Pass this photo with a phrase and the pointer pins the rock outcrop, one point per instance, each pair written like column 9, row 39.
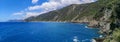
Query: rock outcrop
column 104, row 22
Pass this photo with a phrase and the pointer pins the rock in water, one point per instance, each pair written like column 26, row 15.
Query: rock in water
column 93, row 40
column 75, row 39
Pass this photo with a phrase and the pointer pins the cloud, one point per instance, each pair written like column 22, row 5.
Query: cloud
column 28, row 14
column 89, row 1
column 34, row 7
column 34, row 1
column 46, row 6
column 18, row 13
column 56, row 4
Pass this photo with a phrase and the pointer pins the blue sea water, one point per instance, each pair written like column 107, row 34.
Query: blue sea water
column 45, row 32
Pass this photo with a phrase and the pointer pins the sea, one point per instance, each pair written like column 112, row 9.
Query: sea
column 46, row 32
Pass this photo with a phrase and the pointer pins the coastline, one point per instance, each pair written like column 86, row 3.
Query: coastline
column 88, row 23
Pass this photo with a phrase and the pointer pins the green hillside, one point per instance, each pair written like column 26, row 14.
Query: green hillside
column 70, row 13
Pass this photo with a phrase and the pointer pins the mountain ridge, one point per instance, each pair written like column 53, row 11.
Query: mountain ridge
column 69, row 13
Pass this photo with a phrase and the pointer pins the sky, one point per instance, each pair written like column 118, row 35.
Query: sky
column 21, row 9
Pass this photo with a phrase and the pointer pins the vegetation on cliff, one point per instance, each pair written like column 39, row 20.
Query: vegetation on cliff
column 114, row 36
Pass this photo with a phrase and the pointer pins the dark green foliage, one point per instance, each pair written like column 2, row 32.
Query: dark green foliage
column 113, row 26
column 116, row 14
column 115, row 36
column 99, row 14
column 117, row 10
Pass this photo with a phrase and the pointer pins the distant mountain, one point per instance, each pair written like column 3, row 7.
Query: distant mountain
column 16, row 21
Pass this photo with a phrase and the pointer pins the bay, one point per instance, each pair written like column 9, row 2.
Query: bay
column 46, row 32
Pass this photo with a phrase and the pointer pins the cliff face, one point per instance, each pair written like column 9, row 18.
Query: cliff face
column 104, row 21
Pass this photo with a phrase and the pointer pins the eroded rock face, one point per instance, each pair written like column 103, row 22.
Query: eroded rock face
column 104, row 21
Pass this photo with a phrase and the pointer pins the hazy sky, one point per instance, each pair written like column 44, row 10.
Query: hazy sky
column 21, row 9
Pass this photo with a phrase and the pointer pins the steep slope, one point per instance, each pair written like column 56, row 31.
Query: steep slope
column 75, row 12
